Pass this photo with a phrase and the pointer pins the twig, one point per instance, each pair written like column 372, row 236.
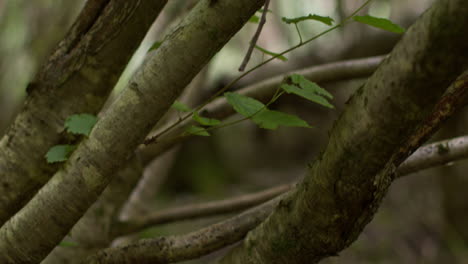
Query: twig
column 200, row 210
column 254, row 40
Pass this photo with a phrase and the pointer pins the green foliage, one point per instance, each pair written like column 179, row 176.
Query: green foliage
column 198, row 131
column 155, row 46
column 81, row 124
column 179, row 106
column 205, row 121
column 276, row 55
column 67, row 244
column 326, row 20
column 381, row 23
column 254, row 19
column 306, row 89
column 244, row 105
column 59, row 153
column 260, row 114
column 270, row 119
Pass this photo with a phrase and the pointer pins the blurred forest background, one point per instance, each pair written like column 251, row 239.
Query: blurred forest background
column 422, row 220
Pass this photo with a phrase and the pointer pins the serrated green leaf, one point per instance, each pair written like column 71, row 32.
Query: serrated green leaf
column 381, row 23
column 326, row 20
column 198, row 131
column 67, row 244
column 180, row 106
column 244, row 105
column 307, row 94
column 270, row 119
column 155, row 45
column 205, row 121
column 59, row 153
column 304, row 83
column 81, row 124
column 254, row 19
column 276, row 55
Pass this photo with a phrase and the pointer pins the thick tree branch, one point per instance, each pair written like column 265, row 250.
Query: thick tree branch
column 429, row 156
column 76, row 79
column 426, row 157
column 48, row 217
column 345, row 185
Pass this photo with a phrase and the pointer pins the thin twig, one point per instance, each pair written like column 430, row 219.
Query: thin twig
column 254, row 40
column 200, row 210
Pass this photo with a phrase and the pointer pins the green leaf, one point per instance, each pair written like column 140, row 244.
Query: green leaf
column 260, row 115
column 307, row 94
column 326, row 20
column 381, row 23
column 254, row 19
column 181, row 106
column 80, row 124
column 205, row 121
column 155, row 46
column 67, row 244
column 270, row 119
column 276, row 55
column 198, row 131
column 244, row 105
column 59, row 153
column 304, row 83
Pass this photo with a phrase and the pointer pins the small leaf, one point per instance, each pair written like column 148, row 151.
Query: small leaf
column 270, row 119
column 180, row 106
column 244, row 105
column 381, row 23
column 304, row 83
column 326, row 20
column 205, row 121
column 276, row 55
column 67, row 244
column 59, row 153
column 155, row 46
column 198, row 131
column 80, row 124
column 254, row 19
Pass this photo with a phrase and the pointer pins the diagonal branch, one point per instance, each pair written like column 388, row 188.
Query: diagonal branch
column 76, row 79
column 49, row 216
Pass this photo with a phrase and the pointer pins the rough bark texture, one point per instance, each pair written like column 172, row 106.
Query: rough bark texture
column 30, row 235
column 343, row 189
column 76, row 79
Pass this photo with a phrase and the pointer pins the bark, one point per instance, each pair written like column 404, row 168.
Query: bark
column 76, row 79
column 345, row 185
column 30, row 235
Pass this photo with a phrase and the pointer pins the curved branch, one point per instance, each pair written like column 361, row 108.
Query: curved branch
column 200, row 210
column 189, row 246
column 431, row 155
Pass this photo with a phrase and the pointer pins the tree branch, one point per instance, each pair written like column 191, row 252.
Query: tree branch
column 346, row 184
column 76, row 79
column 200, row 210
column 254, row 40
column 431, row 155
column 189, row 246
column 150, row 93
